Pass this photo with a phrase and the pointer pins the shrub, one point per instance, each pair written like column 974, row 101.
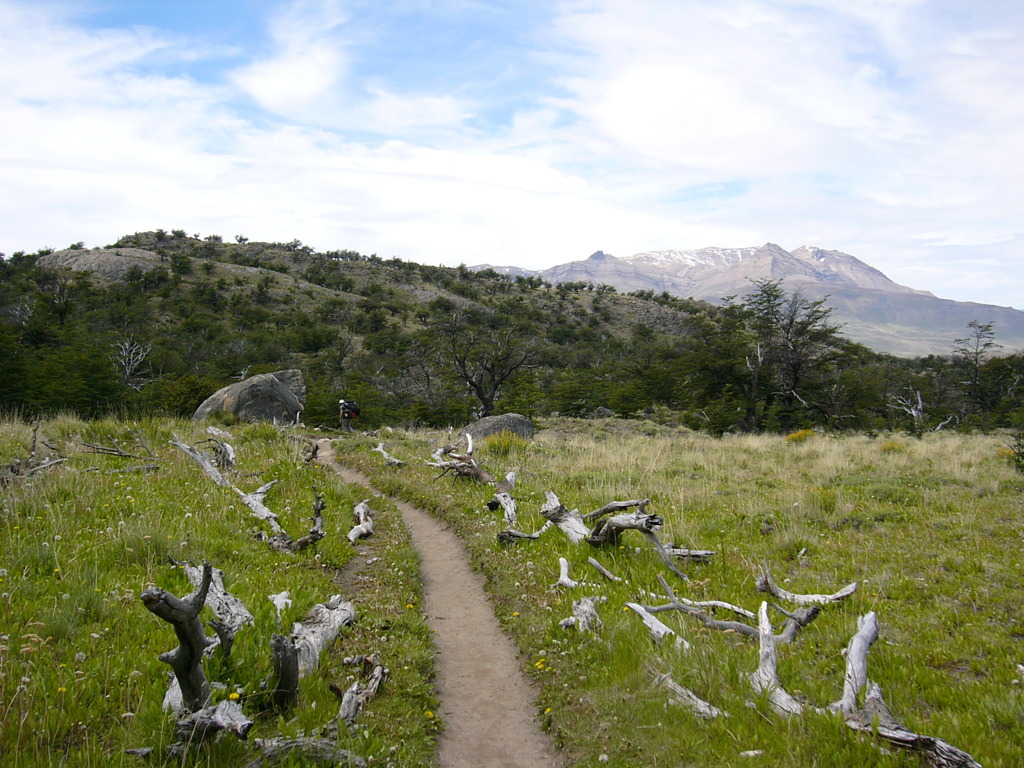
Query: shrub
column 800, row 436
column 504, row 443
column 891, row 446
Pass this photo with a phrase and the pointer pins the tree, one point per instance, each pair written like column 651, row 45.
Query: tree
column 970, row 353
column 794, row 342
column 485, row 349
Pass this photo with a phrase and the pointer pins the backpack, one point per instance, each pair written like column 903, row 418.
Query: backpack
column 351, row 410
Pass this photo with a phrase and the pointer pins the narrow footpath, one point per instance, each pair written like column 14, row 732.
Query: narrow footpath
column 487, row 703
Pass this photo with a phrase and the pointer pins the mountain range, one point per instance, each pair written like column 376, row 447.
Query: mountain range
column 872, row 309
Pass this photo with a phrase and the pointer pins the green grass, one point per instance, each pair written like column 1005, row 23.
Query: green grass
column 931, row 531
column 932, row 534
column 80, row 681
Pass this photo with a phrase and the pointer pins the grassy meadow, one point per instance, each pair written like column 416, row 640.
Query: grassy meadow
column 931, row 530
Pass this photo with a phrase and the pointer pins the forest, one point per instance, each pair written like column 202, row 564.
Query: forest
column 420, row 345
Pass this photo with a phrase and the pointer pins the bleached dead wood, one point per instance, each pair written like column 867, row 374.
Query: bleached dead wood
column 570, row 523
column 461, row 464
column 658, row 629
column 684, row 697
column 563, row 575
column 203, row 461
column 217, row 432
column 699, row 612
column 693, row 555
column 315, row 751
column 226, row 716
column 765, row 584
column 603, row 571
column 584, row 614
column 389, row 460
column 511, row 534
column 254, row 501
column 186, row 660
column 364, row 522
column 296, row 656
column 616, row 506
column 508, row 505
column 318, row 631
column 765, row 680
column 230, row 612
column 359, row 694
column 874, row 717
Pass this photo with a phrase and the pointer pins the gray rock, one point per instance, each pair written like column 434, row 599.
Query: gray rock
column 278, row 397
column 106, row 263
column 507, row 422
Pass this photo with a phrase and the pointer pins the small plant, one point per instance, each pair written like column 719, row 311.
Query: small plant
column 800, row 436
column 891, row 446
column 504, row 444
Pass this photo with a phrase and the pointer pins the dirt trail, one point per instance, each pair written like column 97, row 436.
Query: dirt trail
column 487, row 703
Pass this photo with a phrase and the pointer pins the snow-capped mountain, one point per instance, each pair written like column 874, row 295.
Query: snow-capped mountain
column 872, row 309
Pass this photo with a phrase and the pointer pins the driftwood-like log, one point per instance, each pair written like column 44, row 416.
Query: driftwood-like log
column 765, row 680
column 318, row 631
column 364, row 522
column 448, row 459
column 563, row 575
column 203, row 461
column 508, row 505
column 693, row 555
column 254, row 501
column 584, row 617
column 359, row 694
column 765, row 584
column 570, row 523
column 389, row 460
column 510, row 535
column 658, row 629
column 315, row 751
column 874, row 717
column 616, row 506
column 226, row 716
column 684, row 697
column 316, row 532
column 223, row 454
column 230, row 612
column 186, row 660
column 603, row 571
column 679, row 604
column 607, row 530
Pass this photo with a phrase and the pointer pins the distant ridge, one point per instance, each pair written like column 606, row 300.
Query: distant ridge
column 873, row 310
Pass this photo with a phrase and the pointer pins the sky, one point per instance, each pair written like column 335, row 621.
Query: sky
column 526, row 132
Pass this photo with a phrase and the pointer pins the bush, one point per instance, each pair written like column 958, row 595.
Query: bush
column 801, row 436
column 504, row 444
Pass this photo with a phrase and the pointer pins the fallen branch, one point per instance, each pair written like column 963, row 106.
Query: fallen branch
column 684, row 697
column 358, row 695
column 563, row 575
column 603, row 571
column 765, row 680
column 510, row 535
column 569, row 523
column 364, row 522
column 874, row 717
column 765, row 584
column 389, row 460
column 319, row 630
column 659, row 630
column 584, row 617
column 504, row 500
column 203, row 461
column 195, row 727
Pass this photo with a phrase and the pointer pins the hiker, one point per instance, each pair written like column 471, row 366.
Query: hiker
column 347, row 410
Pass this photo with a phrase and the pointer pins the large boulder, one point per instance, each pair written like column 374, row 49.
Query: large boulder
column 278, row 397
column 515, row 423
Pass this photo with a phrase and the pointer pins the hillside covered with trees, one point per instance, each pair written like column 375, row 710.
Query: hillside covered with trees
column 417, row 344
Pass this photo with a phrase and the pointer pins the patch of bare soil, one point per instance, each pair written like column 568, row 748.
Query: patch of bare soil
column 487, row 703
